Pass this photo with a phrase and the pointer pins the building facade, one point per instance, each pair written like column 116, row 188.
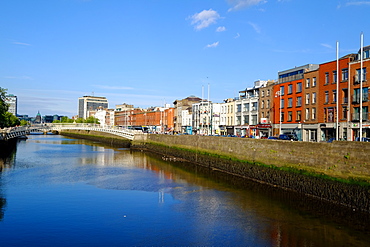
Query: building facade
column 359, row 98
column 12, row 101
column 90, row 103
column 288, row 100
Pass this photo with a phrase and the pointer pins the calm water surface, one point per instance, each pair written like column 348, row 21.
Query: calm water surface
column 56, row 191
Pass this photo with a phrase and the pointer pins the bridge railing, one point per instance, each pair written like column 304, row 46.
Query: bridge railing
column 13, row 132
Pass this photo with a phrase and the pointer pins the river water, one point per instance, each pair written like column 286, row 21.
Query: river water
column 58, row 191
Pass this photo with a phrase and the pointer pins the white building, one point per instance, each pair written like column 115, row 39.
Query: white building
column 246, row 112
column 12, row 101
column 90, row 103
column 206, row 118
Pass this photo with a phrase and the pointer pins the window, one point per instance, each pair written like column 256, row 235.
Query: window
column 290, row 116
column 282, row 103
column 307, row 98
column 356, row 95
column 238, row 120
column 290, row 89
column 268, row 104
column 314, row 82
column 262, row 104
column 326, row 97
column 254, row 106
column 308, row 82
column 326, row 78
column 298, row 116
column 299, row 101
column 282, row 90
column 282, row 117
column 334, row 96
column 239, row 107
column 313, row 113
column 246, row 119
column 345, row 95
column 344, row 112
column 254, row 120
column 344, row 74
column 268, row 92
column 313, row 98
column 299, row 87
column 246, row 107
column 307, row 113
column 356, row 114
column 290, row 102
column 358, row 74
column 335, row 76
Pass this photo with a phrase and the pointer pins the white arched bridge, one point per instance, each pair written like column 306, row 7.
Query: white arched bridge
column 15, row 132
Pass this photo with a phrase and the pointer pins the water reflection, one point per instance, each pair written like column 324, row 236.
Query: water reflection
column 175, row 202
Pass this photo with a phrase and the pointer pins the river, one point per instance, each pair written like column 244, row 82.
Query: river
column 58, row 191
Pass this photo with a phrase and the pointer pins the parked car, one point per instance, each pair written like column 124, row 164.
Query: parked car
column 364, row 139
column 273, row 138
column 288, row 137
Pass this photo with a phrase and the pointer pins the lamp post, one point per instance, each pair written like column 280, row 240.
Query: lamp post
column 278, row 94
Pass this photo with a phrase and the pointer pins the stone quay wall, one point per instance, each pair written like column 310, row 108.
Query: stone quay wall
column 98, row 136
column 337, row 172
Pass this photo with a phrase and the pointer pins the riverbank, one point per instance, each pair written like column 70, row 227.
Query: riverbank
column 98, row 136
column 336, row 172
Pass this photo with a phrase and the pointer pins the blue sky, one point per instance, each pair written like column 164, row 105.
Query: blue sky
column 152, row 52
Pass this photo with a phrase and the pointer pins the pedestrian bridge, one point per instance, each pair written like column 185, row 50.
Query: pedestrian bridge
column 14, row 132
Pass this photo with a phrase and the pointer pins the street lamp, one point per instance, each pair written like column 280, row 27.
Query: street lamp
column 278, row 94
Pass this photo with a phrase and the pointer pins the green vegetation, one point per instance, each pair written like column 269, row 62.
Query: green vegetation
column 350, row 180
column 7, row 119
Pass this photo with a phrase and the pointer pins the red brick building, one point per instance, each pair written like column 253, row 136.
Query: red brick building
column 288, row 100
column 333, row 86
column 354, row 88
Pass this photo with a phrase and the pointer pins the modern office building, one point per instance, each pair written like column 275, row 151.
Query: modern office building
column 90, row 103
column 12, row 101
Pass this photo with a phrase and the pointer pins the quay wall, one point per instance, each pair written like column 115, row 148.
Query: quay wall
column 337, row 172
column 98, row 136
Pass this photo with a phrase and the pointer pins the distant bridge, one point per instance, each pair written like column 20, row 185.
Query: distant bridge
column 14, row 132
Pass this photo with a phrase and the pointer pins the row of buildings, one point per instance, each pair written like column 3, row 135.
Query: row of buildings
column 316, row 102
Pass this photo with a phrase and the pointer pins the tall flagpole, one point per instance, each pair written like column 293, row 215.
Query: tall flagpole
column 361, row 76
column 337, row 98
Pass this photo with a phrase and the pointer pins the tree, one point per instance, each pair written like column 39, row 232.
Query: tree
column 10, row 120
column 3, row 107
column 24, row 122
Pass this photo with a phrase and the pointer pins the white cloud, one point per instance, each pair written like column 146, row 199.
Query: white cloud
column 20, row 43
column 358, row 3
column 255, row 27
column 213, row 45
column 241, row 4
column 327, row 46
column 204, row 19
column 221, row 29
column 237, row 36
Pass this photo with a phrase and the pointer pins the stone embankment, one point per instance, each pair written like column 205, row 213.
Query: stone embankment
column 338, row 172
column 97, row 136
